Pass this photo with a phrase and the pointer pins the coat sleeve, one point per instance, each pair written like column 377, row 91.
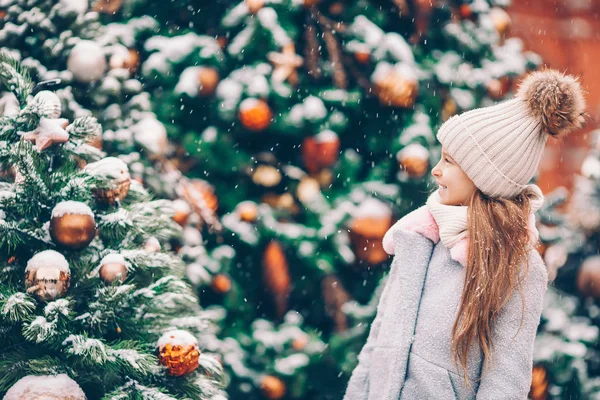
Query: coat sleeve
column 509, row 373
column 358, row 385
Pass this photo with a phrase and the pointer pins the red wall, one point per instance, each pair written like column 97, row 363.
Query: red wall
column 567, row 36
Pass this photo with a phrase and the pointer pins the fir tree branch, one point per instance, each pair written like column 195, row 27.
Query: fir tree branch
column 15, row 77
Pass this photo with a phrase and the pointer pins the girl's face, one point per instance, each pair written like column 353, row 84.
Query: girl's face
column 455, row 187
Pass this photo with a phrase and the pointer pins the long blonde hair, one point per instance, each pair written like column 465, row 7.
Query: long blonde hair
column 497, row 262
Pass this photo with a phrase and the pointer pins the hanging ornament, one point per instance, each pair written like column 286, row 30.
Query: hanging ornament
column 114, row 179
column 221, row 283
column 272, row 387
column 335, row 297
column 208, row 79
column 266, row 176
column 182, row 211
column 539, row 384
column 108, row 6
column 414, row 160
column 47, row 276
column 247, row 211
column 588, row 277
column 51, row 104
column 86, row 61
column 276, row 276
column 336, row 8
column 362, row 56
column 450, row 108
column 308, row 189
column 371, row 221
column 178, row 351
column 395, row 86
column 285, row 64
column 465, row 11
column 45, row 387
column 255, row 114
column 72, row 225
column 124, row 58
column 299, row 343
column 254, row 5
column 200, row 196
column 113, row 267
column 48, row 132
column 320, row 151
column 283, row 202
column 501, row 20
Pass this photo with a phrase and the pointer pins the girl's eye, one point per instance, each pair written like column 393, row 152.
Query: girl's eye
column 447, row 160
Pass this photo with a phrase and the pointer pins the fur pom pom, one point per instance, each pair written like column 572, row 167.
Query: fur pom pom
column 556, row 99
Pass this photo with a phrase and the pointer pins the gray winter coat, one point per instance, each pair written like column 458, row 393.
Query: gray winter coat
column 408, row 352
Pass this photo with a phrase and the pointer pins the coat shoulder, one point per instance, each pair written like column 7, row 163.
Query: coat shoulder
column 420, row 221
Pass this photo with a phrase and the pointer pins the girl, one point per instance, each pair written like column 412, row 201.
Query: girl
column 458, row 316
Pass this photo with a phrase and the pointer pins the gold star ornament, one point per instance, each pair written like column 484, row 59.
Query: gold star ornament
column 48, row 132
column 285, row 64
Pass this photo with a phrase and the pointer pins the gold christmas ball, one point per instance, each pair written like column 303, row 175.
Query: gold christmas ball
column 414, row 159
column 450, row 108
column 308, row 189
column 396, row 86
column 254, row 5
column 336, row 8
column 114, row 174
column 363, row 57
column 255, row 114
column 272, row 387
column 47, row 276
column 221, row 283
column 45, row 387
column 539, row 384
column 113, row 267
column 182, row 211
column 276, row 276
column 72, row 225
column 178, row 351
column 320, row 151
column 299, row 343
column 267, row 176
column 501, row 20
column 247, row 210
column 310, row 3
column 371, row 221
column 108, row 6
column 208, row 79
column 588, row 277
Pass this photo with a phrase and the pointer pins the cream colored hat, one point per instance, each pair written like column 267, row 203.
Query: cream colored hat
column 499, row 147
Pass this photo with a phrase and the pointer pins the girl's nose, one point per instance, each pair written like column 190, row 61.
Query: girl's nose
column 436, row 171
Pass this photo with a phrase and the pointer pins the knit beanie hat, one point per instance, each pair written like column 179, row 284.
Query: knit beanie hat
column 499, row 147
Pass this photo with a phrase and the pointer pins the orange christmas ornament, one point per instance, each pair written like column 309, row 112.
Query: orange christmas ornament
column 414, row 159
column 588, row 277
column 72, row 225
column 115, row 178
column 208, row 79
column 221, row 283
column 255, row 114
column 113, row 267
column 371, row 221
column 127, row 59
column 320, row 151
column 272, row 387
column 178, row 351
column 396, row 86
column 539, row 384
column 254, row 5
column 247, row 211
column 182, row 211
column 276, row 276
column 501, row 20
column 108, row 6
